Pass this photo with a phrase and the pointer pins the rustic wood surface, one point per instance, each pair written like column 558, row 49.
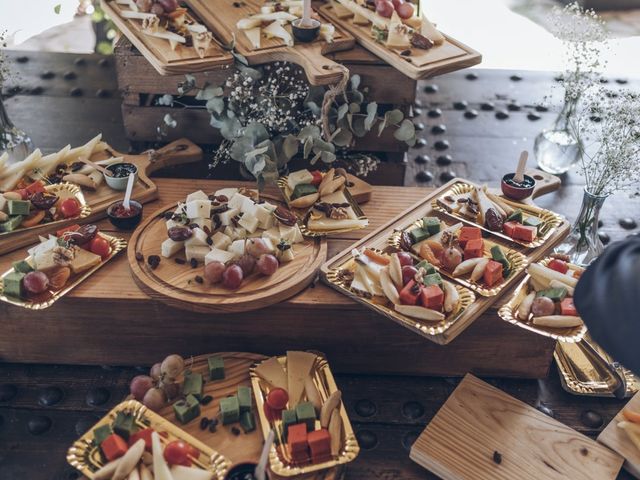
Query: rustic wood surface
column 617, row 440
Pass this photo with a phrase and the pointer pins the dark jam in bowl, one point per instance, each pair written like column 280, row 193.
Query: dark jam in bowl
column 122, row 170
column 118, row 210
column 528, row 182
column 125, row 219
column 244, row 471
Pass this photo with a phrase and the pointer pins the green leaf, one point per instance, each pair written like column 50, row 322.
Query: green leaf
column 328, row 157
column 354, row 107
column 406, row 131
column 249, row 72
column 56, row 9
column 240, row 148
column 356, row 97
column 215, row 105
column 315, row 158
column 216, row 122
column 256, row 132
column 312, row 131
column 308, row 145
column 358, row 126
column 355, row 81
column 394, row 117
column 190, row 79
column 290, row 146
column 230, row 128
column 209, row 92
column 342, row 110
column 372, row 111
column 320, row 145
column 343, row 138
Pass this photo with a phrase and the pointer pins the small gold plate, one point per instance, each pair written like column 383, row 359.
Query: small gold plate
column 49, row 298
column 337, row 278
column 509, row 313
column 85, row 455
column 580, row 376
column 517, row 260
column 63, row 190
column 279, row 458
column 303, row 214
column 551, row 220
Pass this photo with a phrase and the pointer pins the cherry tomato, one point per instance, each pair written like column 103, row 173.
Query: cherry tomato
column 24, row 193
column 177, row 453
column 277, row 399
column 99, row 246
column 70, row 208
column 317, row 177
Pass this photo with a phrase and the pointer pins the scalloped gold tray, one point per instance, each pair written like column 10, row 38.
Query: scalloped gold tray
column 551, row 220
column 279, row 459
column 508, row 312
column 68, row 190
column 85, row 455
column 50, row 297
column 518, row 260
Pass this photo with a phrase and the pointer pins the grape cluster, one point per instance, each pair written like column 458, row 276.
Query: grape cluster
column 160, row 386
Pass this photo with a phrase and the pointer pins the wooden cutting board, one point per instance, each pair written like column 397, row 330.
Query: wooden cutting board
column 176, row 153
column 478, row 420
column 158, row 51
column 617, row 440
column 221, row 17
column 450, row 56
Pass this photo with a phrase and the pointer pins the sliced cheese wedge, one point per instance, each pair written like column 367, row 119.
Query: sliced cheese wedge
column 340, row 11
column 253, row 34
column 248, row 23
column 421, row 313
column 299, row 366
column 276, row 29
column 428, row 30
column 179, row 472
column 397, row 37
column 272, row 372
column 358, row 19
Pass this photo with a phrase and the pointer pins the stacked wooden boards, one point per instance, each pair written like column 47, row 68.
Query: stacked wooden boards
column 617, row 440
column 481, row 433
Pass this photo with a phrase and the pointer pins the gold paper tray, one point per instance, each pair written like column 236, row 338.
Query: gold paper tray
column 66, row 190
column 508, row 312
column 518, row 260
column 85, row 455
column 303, row 213
column 117, row 245
column 551, row 220
column 279, row 459
column 580, row 376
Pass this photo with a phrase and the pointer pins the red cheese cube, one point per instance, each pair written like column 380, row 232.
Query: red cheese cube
column 114, row 446
column 144, row 434
column 468, row 233
column 558, row 266
column 410, row 293
column 474, row 248
column 527, row 234
column 297, row 441
column 510, row 228
column 568, row 308
column 35, row 187
column 432, row 297
column 320, row 445
column 492, row 273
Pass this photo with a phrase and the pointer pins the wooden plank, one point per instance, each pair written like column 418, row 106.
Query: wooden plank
column 478, row 420
column 618, row 440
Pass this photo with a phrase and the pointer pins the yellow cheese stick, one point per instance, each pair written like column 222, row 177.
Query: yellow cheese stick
column 557, row 321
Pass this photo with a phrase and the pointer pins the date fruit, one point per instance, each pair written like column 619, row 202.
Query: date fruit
column 179, row 234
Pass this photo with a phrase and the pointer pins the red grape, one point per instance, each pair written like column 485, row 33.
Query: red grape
column 408, row 272
column 246, row 263
column 405, row 10
column 157, row 9
column 385, row 8
column 277, row 399
column 155, row 371
column 256, row 247
column 35, row 282
column 232, row 277
column 397, row 3
column 154, row 399
column 144, row 5
column 405, row 259
column 140, row 385
column 213, row 272
column 171, row 390
column 168, row 5
column 172, row 366
column 451, row 257
column 267, row 264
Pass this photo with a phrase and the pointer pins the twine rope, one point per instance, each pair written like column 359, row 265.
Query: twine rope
column 329, row 96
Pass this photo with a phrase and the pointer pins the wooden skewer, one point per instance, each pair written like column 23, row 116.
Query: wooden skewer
column 100, row 168
column 522, row 163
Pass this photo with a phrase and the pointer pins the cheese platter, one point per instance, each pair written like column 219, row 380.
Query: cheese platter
column 225, row 251
column 56, row 265
column 173, row 40
column 265, row 32
column 622, row 435
column 92, row 174
column 401, row 36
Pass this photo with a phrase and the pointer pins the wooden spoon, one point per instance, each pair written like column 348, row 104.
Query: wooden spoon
column 522, row 163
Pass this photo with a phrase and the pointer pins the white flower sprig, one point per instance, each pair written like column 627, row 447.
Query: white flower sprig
column 5, row 71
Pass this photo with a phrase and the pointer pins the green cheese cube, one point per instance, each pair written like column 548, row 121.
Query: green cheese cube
column 245, row 399
column 22, row 266
column 124, row 425
column 515, row 216
column 555, row 294
column 498, row 255
column 533, row 222
column 18, row 207
column 11, row 224
column 306, row 413
column 432, row 279
column 101, row 433
column 419, row 234
column 187, row 409
column 303, row 189
column 247, row 422
column 428, row 268
column 229, row 410
column 192, row 385
column 12, row 285
column 431, row 225
column 216, row 368
column 289, row 417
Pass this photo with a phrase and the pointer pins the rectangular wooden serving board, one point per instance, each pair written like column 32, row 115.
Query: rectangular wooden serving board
column 481, row 433
column 452, row 55
column 222, row 16
column 617, row 440
column 379, row 239
column 158, row 51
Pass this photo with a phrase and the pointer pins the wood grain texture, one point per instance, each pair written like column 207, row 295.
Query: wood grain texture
column 617, row 440
column 478, row 420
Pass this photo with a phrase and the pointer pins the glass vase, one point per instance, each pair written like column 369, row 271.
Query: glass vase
column 13, row 141
column 583, row 244
column 556, row 149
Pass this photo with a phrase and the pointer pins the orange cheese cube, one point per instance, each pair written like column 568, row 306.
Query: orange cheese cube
column 474, row 248
column 468, row 233
column 432, row 297
column 492, row 273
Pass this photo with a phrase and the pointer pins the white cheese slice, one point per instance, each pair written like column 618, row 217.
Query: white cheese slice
column 272, row 372
column 198, row 209
column 261, row 213
column 237, row 247
column 179, row 472
column 360, row 20
column 285, row 256
column 198, row 238
column 291, row 234
column 253, row 34
column 248, row 23
column 268, row 223
column 275, row 29
column 237, row 201
column 202, row 222
column 274, row 16
column 235, row 232
column 221, row 241
column 299, row 366
column 248, row 207
column 397, row 37
column 196, row 252
column 269, row 206
column 44, row 246
column 429, row 30
column 173, row 223
column 160, row 468
column 299, row 177
column 199, row 195
column 327, row 224
column 272, row 234
column 170, row 247
column 225, row 217
column 218, row 255
column 180, row 209
column 269, row 244
column 249, row 223
column 227, row 192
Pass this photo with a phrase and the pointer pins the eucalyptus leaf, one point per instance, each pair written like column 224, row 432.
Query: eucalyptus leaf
column 209, row 92
column 315, row 158
column 256, row 151
column 215, row 105
column 315, row 109
column 216, row 122
column 312, row 131
column 290, row 146
column 358, row 126
column 320, row 145
column 355, row 82
column 411, row 142
column 308, row 145
column 255, row 164
column 356, row 97
column 354, row 107
column 249, row 72
column 406, row 131
column 372, row 111
column 328, row 157
column 240, row 148
column 256, row 132
column 230, row 128
column 343, row 138
column 342, row 110
column 394, row 117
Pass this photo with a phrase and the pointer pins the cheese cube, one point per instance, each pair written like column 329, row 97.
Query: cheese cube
column 269, row 206
column 225, row 217
column 217, row 255
column 272, row 234
column 291, row 234
column 249, row 223
column 286, row 256
column 235, row 232
column 199, row 209
column 202, row 222
column 296, row 178
column 169, row 248
column 199, row 238
column 269, row 223
column 237, row 248
column 248, row 207
column 180, row 209
column 3, row 204
column 270, row 244
column 221, row 241
column 226, row 192
column 237, row 201
column 199, row 195
column 196, row 252
column 173, row 223
column 261, row 213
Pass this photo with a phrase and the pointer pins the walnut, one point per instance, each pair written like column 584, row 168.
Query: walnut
column 63, row 256
column 339, row 213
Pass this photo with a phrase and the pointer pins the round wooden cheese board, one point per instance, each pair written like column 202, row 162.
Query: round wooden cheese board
column 175, row 284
